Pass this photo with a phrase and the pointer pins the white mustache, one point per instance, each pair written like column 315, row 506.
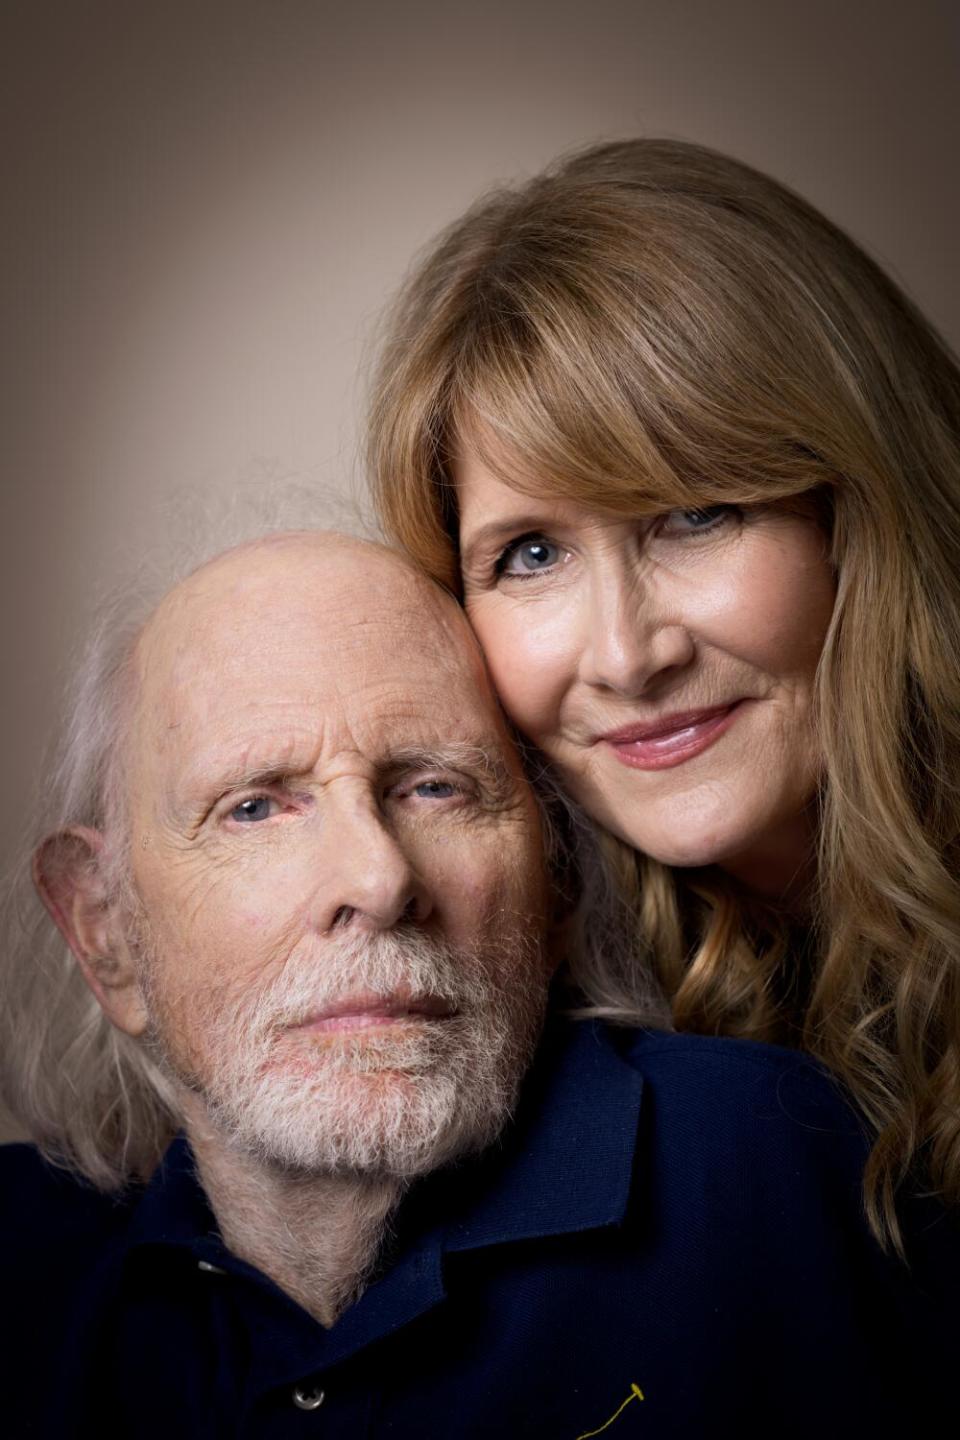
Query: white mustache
column 401, row 964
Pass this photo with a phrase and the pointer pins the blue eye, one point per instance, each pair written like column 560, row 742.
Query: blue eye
column 698, row 521
column 258, row 807
column 526, row 557
column 434, row 790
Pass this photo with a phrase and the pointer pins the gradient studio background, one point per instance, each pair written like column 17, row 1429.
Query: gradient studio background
column 207, row 205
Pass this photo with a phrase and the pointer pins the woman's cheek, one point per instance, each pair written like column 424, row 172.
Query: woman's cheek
column 529, row 651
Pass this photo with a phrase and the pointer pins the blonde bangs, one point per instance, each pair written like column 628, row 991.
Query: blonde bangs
column 634, row 389
column 633, row 353
column 546, row 427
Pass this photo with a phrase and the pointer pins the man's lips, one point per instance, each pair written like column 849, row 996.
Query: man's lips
column 362, row 1012
column 672, row 739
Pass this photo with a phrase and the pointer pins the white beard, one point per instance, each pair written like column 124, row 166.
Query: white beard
column 394, row 1101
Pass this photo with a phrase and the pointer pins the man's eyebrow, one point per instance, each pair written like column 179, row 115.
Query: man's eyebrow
column 241, row 776
column 233, row 772
column 488, row 762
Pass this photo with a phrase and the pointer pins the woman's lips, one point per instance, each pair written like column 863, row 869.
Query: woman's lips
column 673, row 739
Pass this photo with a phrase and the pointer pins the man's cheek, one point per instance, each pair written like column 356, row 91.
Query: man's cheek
column 183, row 883
column 477, row 899
column 227, row 915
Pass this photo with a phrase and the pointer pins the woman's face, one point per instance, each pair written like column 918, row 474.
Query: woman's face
column 665, row 665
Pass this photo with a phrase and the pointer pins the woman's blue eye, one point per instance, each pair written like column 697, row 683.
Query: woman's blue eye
column 434, row 789
column 258, row 807
column 706, row 517
column 528, row 556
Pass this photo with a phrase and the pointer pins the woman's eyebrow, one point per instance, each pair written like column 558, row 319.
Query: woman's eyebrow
column 495, row 532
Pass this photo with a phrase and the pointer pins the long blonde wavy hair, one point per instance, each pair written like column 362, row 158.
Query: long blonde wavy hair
column 651, row 325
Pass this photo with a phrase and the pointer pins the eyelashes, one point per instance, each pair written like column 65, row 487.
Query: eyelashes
column 700, row 521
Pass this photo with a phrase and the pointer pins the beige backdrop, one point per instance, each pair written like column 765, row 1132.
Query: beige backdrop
column 206, row 206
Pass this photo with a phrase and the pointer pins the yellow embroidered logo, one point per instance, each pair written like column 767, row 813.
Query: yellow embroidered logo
column 635, row 1394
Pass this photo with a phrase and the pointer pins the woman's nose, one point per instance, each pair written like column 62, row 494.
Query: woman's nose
column 367, row 881
column 631, row 639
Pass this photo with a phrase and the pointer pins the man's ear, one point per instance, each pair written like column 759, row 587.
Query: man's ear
column 68, row 871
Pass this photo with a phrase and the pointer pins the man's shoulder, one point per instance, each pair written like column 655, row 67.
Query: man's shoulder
column 54, row 1206
column 703, row 1061
column 745, row 1099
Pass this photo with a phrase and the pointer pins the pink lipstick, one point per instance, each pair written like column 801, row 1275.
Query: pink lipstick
column 672, row 739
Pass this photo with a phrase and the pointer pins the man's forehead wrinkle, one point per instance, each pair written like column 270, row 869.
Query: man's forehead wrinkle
column 237, row 757
column 405, row 634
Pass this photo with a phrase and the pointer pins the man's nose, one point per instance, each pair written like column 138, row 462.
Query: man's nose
column 368, row 881
column 631, row 639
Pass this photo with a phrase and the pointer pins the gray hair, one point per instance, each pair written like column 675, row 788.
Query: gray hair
column 86, row 1093
column 90, row 1096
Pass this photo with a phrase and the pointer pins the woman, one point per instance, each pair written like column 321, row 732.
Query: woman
column 693, row 464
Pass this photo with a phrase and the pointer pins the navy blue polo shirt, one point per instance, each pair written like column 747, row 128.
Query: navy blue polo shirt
column 667, row 1241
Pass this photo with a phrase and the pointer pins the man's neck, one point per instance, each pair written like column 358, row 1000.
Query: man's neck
column 317, row 1237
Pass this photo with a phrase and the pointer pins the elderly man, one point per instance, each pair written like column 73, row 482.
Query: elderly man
column 305, row 884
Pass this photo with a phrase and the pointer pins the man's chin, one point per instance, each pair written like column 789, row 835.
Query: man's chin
column 383, row 1121
column 412, row 1048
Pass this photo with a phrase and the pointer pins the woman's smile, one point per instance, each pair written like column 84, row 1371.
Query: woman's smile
column 671, row 740
column 665, row 664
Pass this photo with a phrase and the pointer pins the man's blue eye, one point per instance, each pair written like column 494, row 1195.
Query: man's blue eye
column 434, row 789
column 256, row 808
column 529, row 556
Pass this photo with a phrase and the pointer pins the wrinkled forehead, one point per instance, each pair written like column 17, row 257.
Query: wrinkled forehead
column 352, row 646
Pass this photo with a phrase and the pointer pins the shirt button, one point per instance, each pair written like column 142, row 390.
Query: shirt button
column 211, row 1269
column 308, row 1399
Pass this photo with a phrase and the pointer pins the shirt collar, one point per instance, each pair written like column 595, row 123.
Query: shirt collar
column 567, row 1161
column 564, row 1164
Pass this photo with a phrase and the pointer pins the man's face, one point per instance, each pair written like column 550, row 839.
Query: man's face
column 337, row 862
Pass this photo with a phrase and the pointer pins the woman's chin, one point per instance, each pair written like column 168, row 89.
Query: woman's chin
column 772, row 861
column 693, row 855
column 711, row 837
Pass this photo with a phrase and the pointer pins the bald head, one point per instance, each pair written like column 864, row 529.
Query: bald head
column 360, row 591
